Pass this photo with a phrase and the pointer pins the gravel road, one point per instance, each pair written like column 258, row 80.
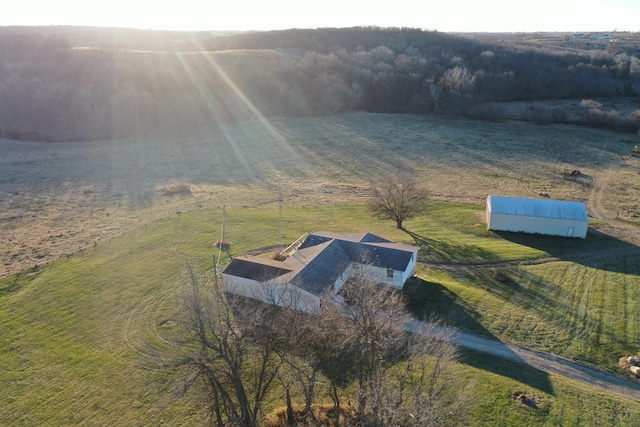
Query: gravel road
column 542, row 361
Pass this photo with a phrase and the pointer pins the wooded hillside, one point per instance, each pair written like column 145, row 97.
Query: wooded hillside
column 72, row 83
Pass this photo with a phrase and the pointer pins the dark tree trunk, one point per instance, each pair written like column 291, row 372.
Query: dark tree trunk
column 290, row 416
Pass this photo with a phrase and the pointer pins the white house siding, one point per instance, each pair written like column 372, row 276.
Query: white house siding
column 378, row 274
column 356, row 269
column 408, row 272
column 348, row 272
column 280, row 294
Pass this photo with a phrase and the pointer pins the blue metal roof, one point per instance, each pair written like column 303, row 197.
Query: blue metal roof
column 541, row 208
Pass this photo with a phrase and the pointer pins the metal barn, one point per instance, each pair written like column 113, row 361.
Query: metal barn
column 537, row 216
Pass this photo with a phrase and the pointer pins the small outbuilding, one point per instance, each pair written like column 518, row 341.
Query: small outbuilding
column 537, row 216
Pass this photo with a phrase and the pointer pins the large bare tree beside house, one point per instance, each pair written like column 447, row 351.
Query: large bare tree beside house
column 234, row 349
column 356, row 353
column 397, row 198
column 399, row 377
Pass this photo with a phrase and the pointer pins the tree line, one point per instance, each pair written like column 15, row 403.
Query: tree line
column 57, row 85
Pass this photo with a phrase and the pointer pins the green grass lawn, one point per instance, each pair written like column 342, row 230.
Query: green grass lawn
column 84, row 341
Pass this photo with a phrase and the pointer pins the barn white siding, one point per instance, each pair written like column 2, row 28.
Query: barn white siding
column 538, row 216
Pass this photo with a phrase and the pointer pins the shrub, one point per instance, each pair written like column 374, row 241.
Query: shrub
column 323, row 413
column 223, row 245
column 174, row 188
column 501, row 276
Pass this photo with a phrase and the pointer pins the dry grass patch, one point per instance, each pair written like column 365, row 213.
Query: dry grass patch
column 97, row 190
column 324, row 416
column 527, row 399
column 176, row 188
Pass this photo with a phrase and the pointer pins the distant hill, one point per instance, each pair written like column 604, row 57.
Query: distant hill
column 83, row 83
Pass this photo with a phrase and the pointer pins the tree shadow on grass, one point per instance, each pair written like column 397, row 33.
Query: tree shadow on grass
column 599, row 250
column 432, row 300
column 444, row 252
column 429, row 299
column 515, row 286
column 520, row 372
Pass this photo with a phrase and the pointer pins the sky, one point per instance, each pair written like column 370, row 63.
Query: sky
column 262, row 15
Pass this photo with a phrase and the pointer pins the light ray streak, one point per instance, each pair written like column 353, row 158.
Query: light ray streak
column 278, row 138
column 202, row 90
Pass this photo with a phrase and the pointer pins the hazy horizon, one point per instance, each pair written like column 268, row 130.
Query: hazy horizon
column 247, row 15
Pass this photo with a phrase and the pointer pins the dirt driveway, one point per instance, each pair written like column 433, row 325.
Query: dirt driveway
column 542, row 361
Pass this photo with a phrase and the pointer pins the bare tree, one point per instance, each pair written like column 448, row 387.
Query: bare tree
column 458, row 80
column 457, row 84
column 435, row 90
column 399, row 371
column 333, row 356
column 397, row 199
column 416, row 391
column 233, row 349
column 236, row 349
column 304, row 342
column 375, row 337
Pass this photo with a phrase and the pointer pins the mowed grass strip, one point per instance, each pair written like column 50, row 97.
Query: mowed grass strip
column 551, row 400
column 580, row 311
column 83, row 341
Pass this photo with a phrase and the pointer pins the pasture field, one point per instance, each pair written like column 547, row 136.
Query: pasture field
column 94, row 237
column 89, row 339
column 56, row 199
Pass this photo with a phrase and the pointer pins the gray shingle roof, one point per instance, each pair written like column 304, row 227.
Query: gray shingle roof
column 256, row 268
column 541, row 208
column 321, row 271
column 323, row 257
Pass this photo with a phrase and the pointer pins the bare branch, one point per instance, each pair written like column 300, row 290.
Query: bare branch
column 397, row 199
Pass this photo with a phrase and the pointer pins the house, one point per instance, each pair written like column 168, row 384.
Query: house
column 318, row 264
column 538, row 216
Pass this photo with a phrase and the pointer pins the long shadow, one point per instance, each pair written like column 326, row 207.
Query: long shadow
column 524, row 374
column 432, row 300
column 451, row 254
column 536, row 293
column 599, row 250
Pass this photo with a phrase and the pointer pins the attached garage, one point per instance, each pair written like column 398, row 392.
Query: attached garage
column 537, row 216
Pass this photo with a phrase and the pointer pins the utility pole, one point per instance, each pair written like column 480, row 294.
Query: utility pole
column 221, row 243
column 281, row 223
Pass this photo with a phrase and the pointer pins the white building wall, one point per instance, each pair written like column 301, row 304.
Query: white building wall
column 240, row 286
column 411, row 269
column 538, row 225
column 348, row 272
column 378, row 274
column 281, row 294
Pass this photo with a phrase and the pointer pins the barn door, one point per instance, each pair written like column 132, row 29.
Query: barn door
column 570, row 232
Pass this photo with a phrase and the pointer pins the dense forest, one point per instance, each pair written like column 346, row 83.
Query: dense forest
column 75, row 83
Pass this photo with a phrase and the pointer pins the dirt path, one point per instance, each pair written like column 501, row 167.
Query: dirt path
column 542, row 361
column 604, row 182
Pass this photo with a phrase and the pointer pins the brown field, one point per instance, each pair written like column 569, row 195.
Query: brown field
column 59, row 198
